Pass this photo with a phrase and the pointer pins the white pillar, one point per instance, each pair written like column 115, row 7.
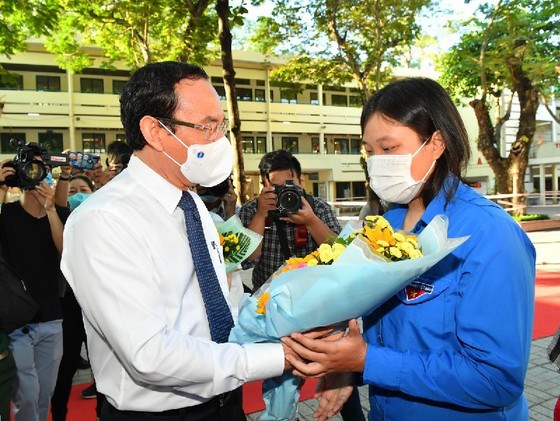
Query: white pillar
column 269, row 146
column 71, row 125
column 542, row 185
column 555, row 183
column 321, row 123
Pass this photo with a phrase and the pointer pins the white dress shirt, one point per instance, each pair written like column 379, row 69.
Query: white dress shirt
column 127, row 258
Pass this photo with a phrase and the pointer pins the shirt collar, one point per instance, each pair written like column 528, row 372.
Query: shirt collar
column 161, row 189
column 436, row 206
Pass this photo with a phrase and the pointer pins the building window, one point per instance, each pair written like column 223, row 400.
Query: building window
column 118, row 86
column 355, row 101
column 339, row 100
column 5, row 138
column 48, row 83
column 290, row 143
column 288, row 96
column 260, row 82
column 244, row 94
column 261, row 144
column 11, row 82
column 314, row 98
column 217, row 80
column 51, row 141
column 260, row 95
column 341, row 146
column 121, row 137
column 359, row 190
column 343, row 190
column 91, row 85
column 221, row 92
column 93, row 142
column 315, row 146
column 355, row 146
column 242, row 82
column 248, row 143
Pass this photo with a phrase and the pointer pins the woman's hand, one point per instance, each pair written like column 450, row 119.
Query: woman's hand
column 44, row 195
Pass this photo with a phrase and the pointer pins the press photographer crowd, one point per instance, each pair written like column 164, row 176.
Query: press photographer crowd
column 41, row 326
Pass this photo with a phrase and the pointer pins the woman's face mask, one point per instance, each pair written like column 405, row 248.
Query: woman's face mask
column 391, row 179
column 77, row 199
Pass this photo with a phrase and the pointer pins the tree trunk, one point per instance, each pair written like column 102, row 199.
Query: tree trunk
column 224, row 35
column 486, row 144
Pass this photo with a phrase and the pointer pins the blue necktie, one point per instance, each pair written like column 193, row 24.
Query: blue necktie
column 217, row 310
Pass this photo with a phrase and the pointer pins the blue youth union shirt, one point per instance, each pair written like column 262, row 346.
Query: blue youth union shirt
column 454, row 345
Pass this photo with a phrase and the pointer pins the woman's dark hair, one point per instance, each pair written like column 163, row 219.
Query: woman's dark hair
column 277, row 161
column 118, row 152
column 85, row 179
column 151, row 91
column 424, row 106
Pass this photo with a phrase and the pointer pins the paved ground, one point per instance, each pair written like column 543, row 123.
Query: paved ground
column 542, row 383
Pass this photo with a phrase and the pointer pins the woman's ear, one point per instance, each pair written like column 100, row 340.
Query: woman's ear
column 437, row 145
column 150, row 129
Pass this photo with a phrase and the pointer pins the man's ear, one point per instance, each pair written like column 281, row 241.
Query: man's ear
column 150, row 129
column 437, row 145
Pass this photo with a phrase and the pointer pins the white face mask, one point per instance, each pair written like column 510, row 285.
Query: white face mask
column 208, row 164
column 391, row 179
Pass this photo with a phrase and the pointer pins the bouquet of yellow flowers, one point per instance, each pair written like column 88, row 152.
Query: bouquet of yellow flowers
column 237, row 242
column 356, row 272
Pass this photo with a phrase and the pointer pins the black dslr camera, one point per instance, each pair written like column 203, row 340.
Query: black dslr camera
column 29, row 170
column 288, row 199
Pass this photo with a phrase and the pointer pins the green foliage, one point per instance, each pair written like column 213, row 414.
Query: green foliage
column 525, row 32
column 335, row 41
column 531, row 217
column 20, row 20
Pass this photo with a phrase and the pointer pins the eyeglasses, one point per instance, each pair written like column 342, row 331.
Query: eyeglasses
column 212, row 130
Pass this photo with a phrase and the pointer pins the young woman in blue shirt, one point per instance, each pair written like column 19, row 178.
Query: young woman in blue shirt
column 455, row 344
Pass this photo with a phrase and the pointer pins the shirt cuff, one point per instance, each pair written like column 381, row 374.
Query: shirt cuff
column 264, row 361
column 383, row 367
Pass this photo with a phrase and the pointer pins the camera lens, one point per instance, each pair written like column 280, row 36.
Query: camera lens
column 34, row 171
column 289, row 201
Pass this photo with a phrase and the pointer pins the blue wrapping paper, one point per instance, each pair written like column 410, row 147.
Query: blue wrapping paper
column 358, row 281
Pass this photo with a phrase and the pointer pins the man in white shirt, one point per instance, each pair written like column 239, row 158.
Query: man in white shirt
column 127, row 256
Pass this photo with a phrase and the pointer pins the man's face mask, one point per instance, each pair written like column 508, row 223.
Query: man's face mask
column 207, row 164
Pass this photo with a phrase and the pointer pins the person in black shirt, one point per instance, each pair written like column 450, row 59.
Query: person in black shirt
column 31, row 239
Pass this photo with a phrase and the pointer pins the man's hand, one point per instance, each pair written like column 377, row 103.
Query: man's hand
column 230, row 200
column 346, row 354
column 333, row 391
column 66, row 170
column 5, row 172
column 95, row 174
column 266, row 201
column 304, row 216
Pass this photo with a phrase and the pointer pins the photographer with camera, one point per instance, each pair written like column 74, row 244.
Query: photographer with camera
column 292, row 222
column 31, row 242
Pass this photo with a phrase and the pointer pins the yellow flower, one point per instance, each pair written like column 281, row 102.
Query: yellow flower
column 261, row 303
column 326, row 254
column 312, row 262
column 338, row 248
column 394, row 251
column 399, row 237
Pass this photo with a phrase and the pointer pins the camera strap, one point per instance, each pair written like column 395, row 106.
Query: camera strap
column 284, row 246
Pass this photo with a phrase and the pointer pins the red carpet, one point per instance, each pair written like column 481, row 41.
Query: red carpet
column 547, row 320
column 547, row 304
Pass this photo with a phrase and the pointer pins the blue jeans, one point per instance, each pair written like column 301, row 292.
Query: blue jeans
column 37, row 350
